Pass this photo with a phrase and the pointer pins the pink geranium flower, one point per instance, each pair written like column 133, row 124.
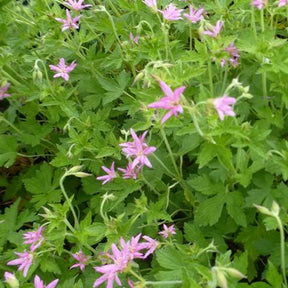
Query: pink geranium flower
column 167, row 231
column 34, row 237
column 282, row 3
column 134, row 39
column 110, row 174
column 69, row 23
column 62, row 69
column 259, row 4
column 171, row 13
column 11, row 279
column 151, row 3
column 138, row 150
column 76, row 6
column 24, row 261
column 170, row 102
column 82, row 259
column 150, row 245
column 234, row 54
column 222, row 106
column 195, row 15
column 129, row 172
column 214, row 31
column 38, row 283
column 3, row 91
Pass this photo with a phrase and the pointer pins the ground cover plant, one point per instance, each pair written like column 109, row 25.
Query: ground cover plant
column 143, row 143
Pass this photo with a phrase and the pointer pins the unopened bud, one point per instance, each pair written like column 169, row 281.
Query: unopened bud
column 275, row 208
column 11, row 280
column 263, row 210
column 82, row 174
column 235, row 273
column 48, row 214
column 74, row 169
column 222, row 281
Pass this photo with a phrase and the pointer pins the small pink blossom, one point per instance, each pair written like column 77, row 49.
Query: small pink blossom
column 129, row 172
column 82, row 259
column 167, row 231
column 222, row 106
column 234, row 54
column 3, row 91
column 38, row 283
column 171, row 13
column 134, row 39
column 282, row 3
column 76, row 6
column 62, row 69
column 24, row 261
column 34, row 237
column 151, row 245
column 214, row 31
column 138, row 150
column 171, row 101
column 259, row 4
column 195, row 15
column 110, row 174
column 151, row 3
column 69, row 23
column 11, row 279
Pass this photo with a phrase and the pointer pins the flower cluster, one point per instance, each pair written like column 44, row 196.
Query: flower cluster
column 138, row 150
column 120, row 258
column 233, row 54
column 24, row 261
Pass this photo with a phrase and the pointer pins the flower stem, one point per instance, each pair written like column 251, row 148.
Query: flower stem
column 158, row 283
column 164, row 166
column 10, row 124
column 68, row 200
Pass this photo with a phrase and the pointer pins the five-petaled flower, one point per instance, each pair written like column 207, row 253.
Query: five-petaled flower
column 34, row 238
column 3, row 91
column 76, row 6
column 38, row 283
column 171, row 12
column 110, row 174
column 167, row 231
column 130, row 172
column 282, row 3
column 195, row 15
column 222, row 106
column 151, row 3
column 214, row 31
column 171, row 101
column 82, row 259
column 259, row 4
column 24, row 261
column 138, row 150
column 69, row 23
column 63, row 70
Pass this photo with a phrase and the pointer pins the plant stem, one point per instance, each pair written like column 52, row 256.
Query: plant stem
column 68, row 200
column 10, row 124
column 163, row 282
column 165, row 167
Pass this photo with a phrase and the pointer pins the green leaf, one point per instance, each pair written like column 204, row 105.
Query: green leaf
column 8, row 150
column 209, row 211
column 169, row 258
column 207, row 153
column 273, row 276
column 234, row 205
column 49, row 264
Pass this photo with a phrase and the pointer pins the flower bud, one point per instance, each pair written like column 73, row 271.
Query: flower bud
column 11, row 280
column 82, row 174
column 222, row 281
column 235, row 273
column 275, row 208
column 263, row 210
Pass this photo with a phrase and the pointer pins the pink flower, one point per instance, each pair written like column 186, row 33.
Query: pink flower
column 171, row 101
column 110, row 174
column 129, row 172
column 151, row 3
column 11, row 280
column 222, row 106
column 167, row 231
column 282, row 3
column 259, row 4
column 195, row 15
column 234, row 54
column 76, row 6
column 24, row 261
column 62, row 69
column 134, row 39
column 38, row 283
column 3, row 91
column 79, row 256
column 69, row 23
column 171, row 13
column 34, row 237
column 138, row 150
column 151, row 245
column 214, row 31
